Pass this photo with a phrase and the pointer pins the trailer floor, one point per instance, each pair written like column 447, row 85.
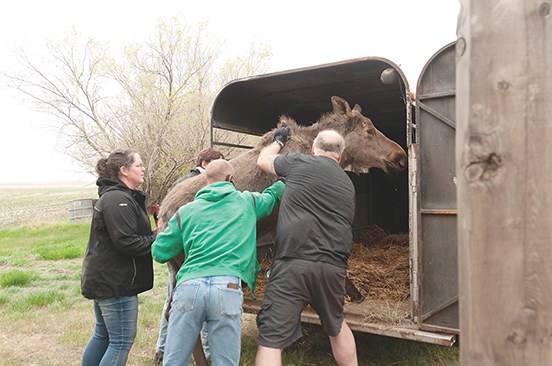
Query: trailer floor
column 382, row 312
column 375, row 317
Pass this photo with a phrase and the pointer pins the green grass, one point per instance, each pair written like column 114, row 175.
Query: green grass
column 41, row 299
column 47, row 291
column 16, row 278
column 389, row 351
column 67, row 251
column 43, row 312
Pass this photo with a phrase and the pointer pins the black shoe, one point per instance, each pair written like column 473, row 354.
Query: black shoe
column 158, row 358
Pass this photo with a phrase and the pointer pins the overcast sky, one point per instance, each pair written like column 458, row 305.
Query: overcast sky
column 301, row 33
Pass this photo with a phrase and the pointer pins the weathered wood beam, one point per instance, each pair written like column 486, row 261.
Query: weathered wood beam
column 504, row 170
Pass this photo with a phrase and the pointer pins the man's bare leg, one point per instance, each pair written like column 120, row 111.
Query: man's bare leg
column 344, row 347
column 268, row 356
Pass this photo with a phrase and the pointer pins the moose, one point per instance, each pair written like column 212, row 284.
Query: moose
column 365, row 147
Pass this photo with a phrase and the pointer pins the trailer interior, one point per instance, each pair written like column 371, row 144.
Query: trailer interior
column 253, row 106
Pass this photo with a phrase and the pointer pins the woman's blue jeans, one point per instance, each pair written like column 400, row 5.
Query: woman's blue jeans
column 217, row 300
column 116, row 320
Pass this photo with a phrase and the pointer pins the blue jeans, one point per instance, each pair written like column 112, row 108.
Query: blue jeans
column 116, row 320
column 209, row 299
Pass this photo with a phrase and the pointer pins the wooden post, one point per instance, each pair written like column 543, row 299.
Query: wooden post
column 504, row 171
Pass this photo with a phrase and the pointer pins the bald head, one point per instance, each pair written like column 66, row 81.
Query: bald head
column 329, row 143
column 218, row 170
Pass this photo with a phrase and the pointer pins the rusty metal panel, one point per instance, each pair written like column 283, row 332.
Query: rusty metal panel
column 436, row 239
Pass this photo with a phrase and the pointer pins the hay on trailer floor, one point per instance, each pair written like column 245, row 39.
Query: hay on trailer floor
column 381, row 271
column 379, row 268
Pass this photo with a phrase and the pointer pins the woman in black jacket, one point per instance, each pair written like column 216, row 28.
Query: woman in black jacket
column 117, row 265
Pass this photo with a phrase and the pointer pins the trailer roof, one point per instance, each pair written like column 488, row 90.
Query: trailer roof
column 253, row 105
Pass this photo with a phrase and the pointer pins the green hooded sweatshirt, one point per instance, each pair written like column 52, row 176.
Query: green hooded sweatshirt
column 217, row 232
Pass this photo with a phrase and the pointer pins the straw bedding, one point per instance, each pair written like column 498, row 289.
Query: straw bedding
column 378, row 266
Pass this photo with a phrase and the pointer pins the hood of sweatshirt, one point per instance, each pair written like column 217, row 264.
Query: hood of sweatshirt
column 215, row 191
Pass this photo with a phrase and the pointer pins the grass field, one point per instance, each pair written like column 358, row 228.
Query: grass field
column 44, row 320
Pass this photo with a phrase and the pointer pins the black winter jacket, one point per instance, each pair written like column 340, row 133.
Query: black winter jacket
column 195, row 171
column 118, row 258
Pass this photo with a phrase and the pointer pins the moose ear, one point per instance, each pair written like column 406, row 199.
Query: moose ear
column 286, row 121
column 340, row 105
column 281, row 122
column 357, row 108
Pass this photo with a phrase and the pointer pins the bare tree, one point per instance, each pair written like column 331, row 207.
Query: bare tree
column 153, row 98
column 69, row 85
column 163, row 81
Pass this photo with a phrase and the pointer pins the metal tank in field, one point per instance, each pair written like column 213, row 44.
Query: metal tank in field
column 408, row 219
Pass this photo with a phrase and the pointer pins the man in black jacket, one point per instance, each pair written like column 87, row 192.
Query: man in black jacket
column 204, row 157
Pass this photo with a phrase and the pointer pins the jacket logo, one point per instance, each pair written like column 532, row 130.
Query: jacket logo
column 123, row 204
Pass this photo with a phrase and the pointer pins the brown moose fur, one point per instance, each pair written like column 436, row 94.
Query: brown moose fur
column 365, row 148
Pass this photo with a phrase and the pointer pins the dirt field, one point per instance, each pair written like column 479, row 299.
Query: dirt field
column 33, row 204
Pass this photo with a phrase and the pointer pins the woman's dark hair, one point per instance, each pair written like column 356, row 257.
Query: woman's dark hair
column 209, row 154
column 109, row 167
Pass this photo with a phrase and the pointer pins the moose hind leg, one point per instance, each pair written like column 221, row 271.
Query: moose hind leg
column 199, row 355
column 351, row 291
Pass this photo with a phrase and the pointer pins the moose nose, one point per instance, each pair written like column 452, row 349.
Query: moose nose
column 398, row 160
column 401, row 161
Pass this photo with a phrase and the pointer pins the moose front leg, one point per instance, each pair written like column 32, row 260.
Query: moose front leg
column 174, row 266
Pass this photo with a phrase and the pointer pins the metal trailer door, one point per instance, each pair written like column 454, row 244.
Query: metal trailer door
column 436, row 187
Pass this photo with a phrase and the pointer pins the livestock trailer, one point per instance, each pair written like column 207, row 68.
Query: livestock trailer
column 420, row 202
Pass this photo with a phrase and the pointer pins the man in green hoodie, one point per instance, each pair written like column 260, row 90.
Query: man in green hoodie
column 217, row 232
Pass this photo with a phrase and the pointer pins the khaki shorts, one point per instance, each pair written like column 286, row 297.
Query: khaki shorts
column 294, row 284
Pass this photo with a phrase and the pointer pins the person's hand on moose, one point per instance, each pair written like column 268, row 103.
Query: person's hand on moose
column 281, row 135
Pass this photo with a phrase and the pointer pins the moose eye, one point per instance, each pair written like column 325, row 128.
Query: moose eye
column 370, row 132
